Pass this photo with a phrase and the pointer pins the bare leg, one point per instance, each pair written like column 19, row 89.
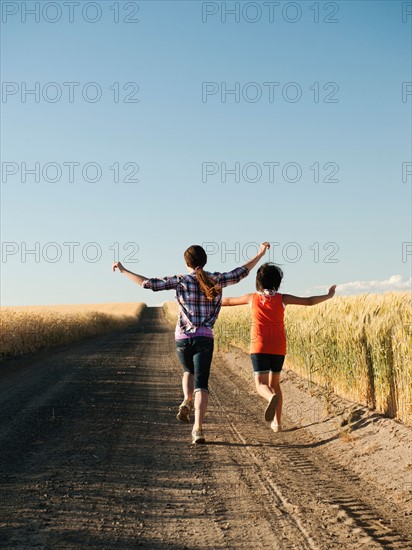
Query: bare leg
column 201, row 401
column 262, row 386
column 274, row 382
column 265, row 390
column 187, row 386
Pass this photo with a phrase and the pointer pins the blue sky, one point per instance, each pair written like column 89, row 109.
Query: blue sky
column 137, row 174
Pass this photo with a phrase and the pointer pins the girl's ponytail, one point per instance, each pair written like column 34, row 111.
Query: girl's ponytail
column 196, row 257
column 207, row 285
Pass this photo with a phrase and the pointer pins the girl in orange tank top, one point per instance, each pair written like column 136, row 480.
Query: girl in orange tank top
column 268, row 338
column 267, row 331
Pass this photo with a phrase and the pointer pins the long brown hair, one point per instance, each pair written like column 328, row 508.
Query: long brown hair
column 196, row 258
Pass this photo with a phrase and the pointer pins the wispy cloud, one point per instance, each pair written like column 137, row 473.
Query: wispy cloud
column 393, row 283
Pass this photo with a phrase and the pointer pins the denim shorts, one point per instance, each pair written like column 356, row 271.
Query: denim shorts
column 196, row 354
column 263, row 363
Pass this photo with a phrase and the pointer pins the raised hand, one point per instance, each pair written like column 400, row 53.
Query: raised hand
column 119, row 266
column 331, row 292
column 263, row 247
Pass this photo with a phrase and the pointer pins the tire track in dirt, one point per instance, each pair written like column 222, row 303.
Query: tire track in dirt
column 100, row 462
column 93, row 457
column 330, row 503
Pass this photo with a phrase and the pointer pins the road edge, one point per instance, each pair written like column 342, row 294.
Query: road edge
column 378, row 449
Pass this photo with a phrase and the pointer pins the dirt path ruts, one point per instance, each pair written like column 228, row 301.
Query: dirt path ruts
column 92, row 457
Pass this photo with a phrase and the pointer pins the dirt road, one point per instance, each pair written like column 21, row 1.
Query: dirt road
column 93, row 457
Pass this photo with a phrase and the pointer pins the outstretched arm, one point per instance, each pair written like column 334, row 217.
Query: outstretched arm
column 138, row 279
column 240, row 301
column 251, row 263
column 289, row 299
column 236, row 275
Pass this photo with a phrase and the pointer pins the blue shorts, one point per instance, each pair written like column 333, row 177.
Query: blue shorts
column 196, row 354
column 263, row 363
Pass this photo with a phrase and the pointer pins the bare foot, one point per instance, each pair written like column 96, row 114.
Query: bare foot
column 276, row 427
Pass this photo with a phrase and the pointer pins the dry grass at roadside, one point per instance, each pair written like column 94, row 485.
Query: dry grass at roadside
column 28, row 329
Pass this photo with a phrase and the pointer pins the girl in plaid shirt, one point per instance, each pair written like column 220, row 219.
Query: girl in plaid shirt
column 199, row 295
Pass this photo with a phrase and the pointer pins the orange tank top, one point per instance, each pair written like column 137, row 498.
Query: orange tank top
column 268, row 331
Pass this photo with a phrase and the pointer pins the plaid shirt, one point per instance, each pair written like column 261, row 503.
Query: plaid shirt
column 195, row 310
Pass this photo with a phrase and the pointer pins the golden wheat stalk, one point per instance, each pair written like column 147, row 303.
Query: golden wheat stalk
column 28, row 329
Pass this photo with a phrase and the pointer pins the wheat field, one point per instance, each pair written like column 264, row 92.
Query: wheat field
column 30, row 328
column 359, row 347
